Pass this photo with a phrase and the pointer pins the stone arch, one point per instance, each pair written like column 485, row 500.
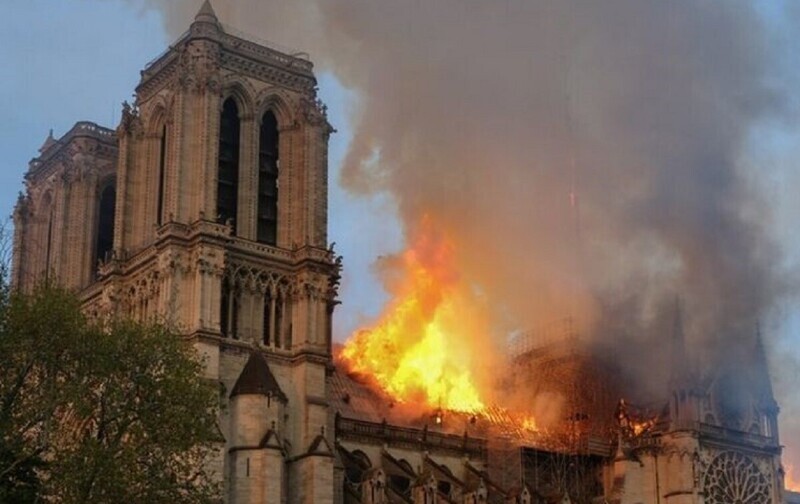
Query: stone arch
column 108, row 179
column 42, row 236
column 44, row 201
column 156, row 116
column 242, row 93
column 104, row 228
column 277, row 101
column 362, row 458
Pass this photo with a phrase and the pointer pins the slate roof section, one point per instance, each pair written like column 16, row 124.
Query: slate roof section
column 257, row 379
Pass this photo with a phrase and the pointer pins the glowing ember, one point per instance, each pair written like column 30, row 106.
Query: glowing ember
column 529, row 424
column 640, row 428
column 420, row 349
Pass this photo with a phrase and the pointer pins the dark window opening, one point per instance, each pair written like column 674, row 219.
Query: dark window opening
column 400, row 484
column 267, row 221
column 265, row 326
column 224, row 309
column 278, row 321
column 228, row 168
column 235, row 316
column 105, row 224
column 49, row 246
column 161, row 174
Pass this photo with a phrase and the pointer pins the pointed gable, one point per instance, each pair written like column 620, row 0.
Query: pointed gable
column 257, row 379
column 321, row 446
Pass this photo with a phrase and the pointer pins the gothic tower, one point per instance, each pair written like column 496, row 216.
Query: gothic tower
column 221, row 225
column 208, row 208
column 63, row 224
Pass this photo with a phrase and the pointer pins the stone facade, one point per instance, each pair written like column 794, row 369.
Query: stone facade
column 207, row 207
column 715, row 441
column 164, row 252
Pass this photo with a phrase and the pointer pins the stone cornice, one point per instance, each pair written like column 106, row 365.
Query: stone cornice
column 267, row 71
column 260, row 51
column 238, row 54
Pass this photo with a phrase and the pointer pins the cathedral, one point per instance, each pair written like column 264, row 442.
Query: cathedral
column 207, row 207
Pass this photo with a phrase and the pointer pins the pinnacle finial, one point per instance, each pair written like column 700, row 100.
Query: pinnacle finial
column 678, row 364
column 761, row 367
column 206, row 13
column 49, row 141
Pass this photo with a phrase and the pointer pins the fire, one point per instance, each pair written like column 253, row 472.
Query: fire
column 791, row 480
column 529, row 424
column 422, row 348
column 639, row 428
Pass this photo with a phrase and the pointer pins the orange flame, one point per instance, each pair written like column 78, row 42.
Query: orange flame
column 421, row 349
column 791, row 480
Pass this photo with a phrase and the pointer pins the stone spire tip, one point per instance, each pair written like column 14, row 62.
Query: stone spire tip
column 48, row 142
column 206, row 13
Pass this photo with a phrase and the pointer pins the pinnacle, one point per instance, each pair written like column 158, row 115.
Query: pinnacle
column 678, row 363
column 47, row 142
column 206, row 13
column 761, row 367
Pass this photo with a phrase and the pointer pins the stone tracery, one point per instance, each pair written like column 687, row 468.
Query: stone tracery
column 733, row 478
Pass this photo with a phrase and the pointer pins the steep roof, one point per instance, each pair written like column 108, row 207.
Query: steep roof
column 256, row 378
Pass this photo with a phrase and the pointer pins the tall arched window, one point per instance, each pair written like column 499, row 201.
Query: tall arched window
column 162, row 160
column 45, row 232
column 105, row 223
column 267, row 231
column 266, row 326
column 228, row 172
column 225, row 309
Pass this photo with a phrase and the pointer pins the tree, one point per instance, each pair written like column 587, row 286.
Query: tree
column 93, row 412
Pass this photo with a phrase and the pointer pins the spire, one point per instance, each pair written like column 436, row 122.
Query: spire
column 678, row 362
column 48, row 142
column 257, row 379
column 762, row 380
column 206, row 14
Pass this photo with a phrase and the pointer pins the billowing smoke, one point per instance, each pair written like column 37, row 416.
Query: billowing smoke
column 588, row 159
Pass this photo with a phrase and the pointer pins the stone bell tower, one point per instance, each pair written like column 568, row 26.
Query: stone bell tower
column 221, row 229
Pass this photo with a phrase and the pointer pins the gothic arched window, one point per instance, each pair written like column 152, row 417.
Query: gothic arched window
column 229, row 310
column 228, row 168
column 45, row 240
column 105, row 222
column 267, row 231
column 225, row 309
column 266, row 326
column 162, row 159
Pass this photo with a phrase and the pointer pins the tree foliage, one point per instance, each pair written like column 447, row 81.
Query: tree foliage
column 100, row 412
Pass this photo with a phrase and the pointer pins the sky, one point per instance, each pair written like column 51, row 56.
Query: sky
column 71, row 60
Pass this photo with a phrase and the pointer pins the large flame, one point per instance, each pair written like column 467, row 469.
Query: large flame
column 791, row 480
column 423, row 347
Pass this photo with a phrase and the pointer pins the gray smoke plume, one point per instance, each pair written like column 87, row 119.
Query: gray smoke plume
column 588, row 158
